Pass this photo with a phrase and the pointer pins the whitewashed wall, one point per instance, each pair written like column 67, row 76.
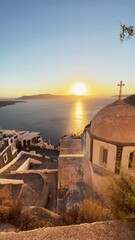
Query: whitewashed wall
column 111, row 154
column 100, row 183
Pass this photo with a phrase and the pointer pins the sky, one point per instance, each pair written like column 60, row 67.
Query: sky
column 46, row 46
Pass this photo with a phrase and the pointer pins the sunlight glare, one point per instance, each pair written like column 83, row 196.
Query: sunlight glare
column 79, row 89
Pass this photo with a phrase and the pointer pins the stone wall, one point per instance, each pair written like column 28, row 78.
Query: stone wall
column 74, row 174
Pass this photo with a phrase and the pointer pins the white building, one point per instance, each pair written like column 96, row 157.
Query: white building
column 109, row 140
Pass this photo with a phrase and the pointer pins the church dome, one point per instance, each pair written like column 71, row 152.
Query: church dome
column 115, row 123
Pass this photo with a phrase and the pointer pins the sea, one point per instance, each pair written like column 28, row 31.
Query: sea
column 53, row 118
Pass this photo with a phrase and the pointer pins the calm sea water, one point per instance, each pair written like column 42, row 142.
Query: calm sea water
column 52, row 117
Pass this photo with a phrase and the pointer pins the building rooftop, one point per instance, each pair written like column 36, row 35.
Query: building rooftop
column 39, row 174
column 71, row 145
column 30, row 135
column 115, row 122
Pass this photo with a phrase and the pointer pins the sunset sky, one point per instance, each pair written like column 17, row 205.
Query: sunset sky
column 46, row 46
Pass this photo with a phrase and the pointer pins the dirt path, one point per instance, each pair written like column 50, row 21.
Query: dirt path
column 102, row 230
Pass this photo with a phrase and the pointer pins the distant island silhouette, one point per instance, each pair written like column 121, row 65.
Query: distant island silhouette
column 47, row 96
column 130, row 99
column 6, row 103
column 123, row 95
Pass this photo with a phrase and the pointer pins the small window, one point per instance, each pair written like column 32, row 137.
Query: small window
column 131, row 163
column 5, row 157
column 105, row 153
column 103, row 156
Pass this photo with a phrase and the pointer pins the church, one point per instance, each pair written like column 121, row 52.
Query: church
column 107, row 147
column 109, row 139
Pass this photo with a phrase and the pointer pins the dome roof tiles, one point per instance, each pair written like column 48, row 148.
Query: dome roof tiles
column 115, row 122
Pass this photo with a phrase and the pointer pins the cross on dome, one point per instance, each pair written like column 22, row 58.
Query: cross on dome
column 121, row 84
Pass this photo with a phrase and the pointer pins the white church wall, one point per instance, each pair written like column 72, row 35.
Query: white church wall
column 111, row 156
column 100, row 183
column 125, row 157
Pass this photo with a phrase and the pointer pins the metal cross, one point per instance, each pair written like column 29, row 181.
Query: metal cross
column 121, row 84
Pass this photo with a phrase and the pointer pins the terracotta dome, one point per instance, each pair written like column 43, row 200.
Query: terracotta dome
column 115, row 123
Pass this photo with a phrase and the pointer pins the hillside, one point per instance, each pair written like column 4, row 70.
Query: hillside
column 6, row 103
column 111, row 230
column 130, row 99
column 44, row 96
column 123, row 95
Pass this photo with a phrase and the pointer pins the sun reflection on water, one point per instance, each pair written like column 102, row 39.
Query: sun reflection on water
column 79, row 110
column 79, row 116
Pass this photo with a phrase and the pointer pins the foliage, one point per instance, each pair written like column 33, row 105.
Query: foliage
column 10, row 210
column 72, row 216
column 93, row 211
column 29, row 222
column 126, row 32
column 14, row 212
column 89, row 211
column 121, row 196
column 5, row 196
column 4, row 214
column 118, row 203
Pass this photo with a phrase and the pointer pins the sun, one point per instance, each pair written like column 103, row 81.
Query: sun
column 79, row 89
